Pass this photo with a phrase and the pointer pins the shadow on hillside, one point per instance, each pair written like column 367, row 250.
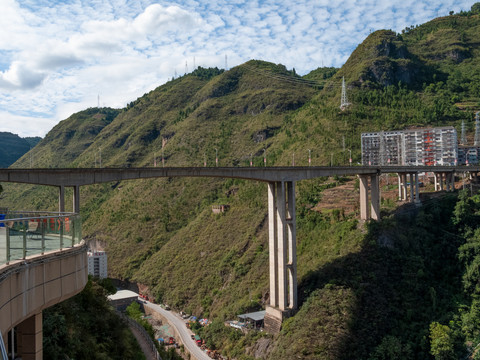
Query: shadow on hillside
column 398, row 291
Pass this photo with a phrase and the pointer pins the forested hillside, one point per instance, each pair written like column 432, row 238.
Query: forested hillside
column 376, row 291
column 12, row 147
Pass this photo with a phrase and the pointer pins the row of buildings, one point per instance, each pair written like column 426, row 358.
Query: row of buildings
column 427, row 146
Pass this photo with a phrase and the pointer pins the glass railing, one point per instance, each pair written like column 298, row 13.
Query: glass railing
column 24, row 234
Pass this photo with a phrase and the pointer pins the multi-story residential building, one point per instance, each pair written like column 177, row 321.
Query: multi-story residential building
column 97, row 263
column 428, row 146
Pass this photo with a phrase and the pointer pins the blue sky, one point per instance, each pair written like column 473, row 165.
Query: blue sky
column 56, row 58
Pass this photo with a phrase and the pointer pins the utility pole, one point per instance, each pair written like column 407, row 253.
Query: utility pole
column 264, row 158
column 309, row 157
column 216, row 157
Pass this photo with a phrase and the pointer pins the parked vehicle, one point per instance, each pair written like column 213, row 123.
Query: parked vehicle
column 198, row 340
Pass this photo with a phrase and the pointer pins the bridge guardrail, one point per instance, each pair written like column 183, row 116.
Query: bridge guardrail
column 27, row 233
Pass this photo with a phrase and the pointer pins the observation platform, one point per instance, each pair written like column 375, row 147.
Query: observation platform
column 43, row 261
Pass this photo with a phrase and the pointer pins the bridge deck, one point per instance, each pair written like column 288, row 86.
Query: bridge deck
column 88, row 176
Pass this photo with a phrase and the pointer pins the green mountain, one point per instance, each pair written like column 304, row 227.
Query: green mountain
column 12, row 147
column 367, row 292
column 69, row 139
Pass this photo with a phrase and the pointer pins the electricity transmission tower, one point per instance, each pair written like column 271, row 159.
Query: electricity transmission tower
column 477, row 130
column 344, row 102
column 463, row 137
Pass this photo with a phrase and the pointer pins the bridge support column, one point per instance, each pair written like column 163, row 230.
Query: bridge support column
column 374, row 207
column 438, row 179
column 76, row 199
column 375, row 196
column 451, row 177
column 404, row 187
column 61, row 199
column 417, row 190
column 412, row 195
column 282, row 254
column 29, row 338
column 272, row 244
column 399, row 187
column 364, row 215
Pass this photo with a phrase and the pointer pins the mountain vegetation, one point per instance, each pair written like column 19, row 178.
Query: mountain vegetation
column 403, row 288
column 86, row 327
column 12, row 147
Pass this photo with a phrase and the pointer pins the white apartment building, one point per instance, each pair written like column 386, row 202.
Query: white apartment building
column 97, row 263
column 427, row 146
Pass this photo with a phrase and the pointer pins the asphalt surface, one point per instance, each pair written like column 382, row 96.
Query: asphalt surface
column 185, row 334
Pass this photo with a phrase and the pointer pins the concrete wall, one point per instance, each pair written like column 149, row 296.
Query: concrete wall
column 29, row 286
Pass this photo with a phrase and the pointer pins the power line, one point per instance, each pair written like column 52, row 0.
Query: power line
column 287, row 78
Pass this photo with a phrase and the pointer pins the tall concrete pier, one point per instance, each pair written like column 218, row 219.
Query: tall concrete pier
column 282, row 254
column 374, row 191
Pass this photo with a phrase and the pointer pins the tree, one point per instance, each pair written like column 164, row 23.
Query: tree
column 441, row 342
column 476, row 8
column 391, row 348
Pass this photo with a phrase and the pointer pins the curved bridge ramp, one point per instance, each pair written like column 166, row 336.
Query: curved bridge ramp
column 31, row 285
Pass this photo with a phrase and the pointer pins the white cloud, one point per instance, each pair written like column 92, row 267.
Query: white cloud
column 20, row 76
column 57, row 57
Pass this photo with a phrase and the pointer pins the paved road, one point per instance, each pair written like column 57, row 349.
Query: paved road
column 177, row 322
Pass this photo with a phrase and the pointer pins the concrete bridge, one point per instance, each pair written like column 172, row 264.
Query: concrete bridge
column 281, row 204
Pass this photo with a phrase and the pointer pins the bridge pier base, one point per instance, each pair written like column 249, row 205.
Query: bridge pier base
column 282, row 254
column 30, row 338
